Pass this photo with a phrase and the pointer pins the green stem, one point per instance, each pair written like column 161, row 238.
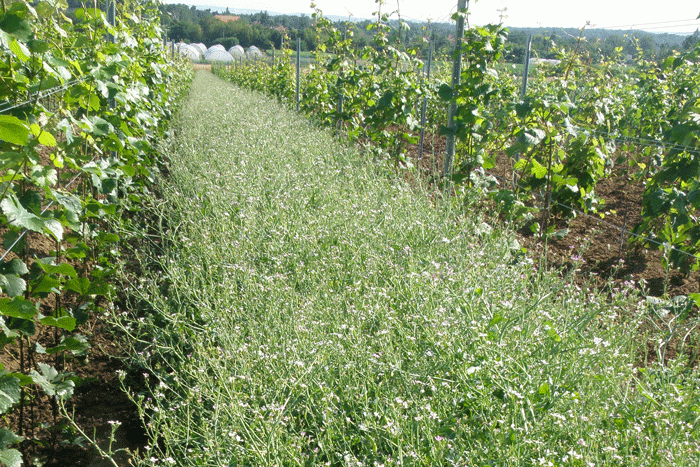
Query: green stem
column 71, row 419
column 7, row 188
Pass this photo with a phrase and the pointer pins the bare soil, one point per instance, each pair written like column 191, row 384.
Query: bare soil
column 598, row 245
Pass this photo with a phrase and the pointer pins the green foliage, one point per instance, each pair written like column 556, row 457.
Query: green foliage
column 363, row 92
column 479, row 89
column 71, row 102
column 190, row 25
column 576, row 122
column 671, row 203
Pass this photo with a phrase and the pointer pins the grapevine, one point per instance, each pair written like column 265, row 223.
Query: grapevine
column 78, row 115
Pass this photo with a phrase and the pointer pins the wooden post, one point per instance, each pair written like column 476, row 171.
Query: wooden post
column 456, row 77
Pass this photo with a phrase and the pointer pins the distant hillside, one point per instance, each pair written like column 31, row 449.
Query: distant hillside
column 662, row 38
column 265, row 29
column 245, row 11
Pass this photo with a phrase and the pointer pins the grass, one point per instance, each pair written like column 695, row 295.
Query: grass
column 306, row 307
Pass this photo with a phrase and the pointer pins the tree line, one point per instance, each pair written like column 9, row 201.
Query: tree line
column 265, row 31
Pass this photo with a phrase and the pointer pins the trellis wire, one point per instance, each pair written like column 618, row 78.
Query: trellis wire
column 450, row 155
column 111, row 13
column 37, row 96
column 43, row 211
column 643, row 141
column 611, row 225
column 624, row 230
column 44, row 94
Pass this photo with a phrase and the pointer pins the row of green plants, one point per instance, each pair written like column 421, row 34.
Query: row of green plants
column 78, row 116
column 363, row 93
column 640, row 120
column 576, row 122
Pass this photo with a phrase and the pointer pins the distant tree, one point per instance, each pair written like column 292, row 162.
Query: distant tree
column 649, row 46
column 227, row 42
column 516, row 45
column 611, row 46
column 309, row 40
column 263, row 18
column 186, row 32
column 690, row 41
column 242, row 30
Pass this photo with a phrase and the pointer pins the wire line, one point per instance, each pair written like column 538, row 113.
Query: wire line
column 44, row 94
column 604, row 222
column 25, row 231
column 656, row 23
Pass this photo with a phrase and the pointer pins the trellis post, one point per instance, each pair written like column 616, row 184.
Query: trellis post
column 424, row 110
column 526, row 67
column 456, row 77
column 298, row 68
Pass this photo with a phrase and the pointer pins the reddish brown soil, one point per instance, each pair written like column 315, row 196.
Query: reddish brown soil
column 597, row 244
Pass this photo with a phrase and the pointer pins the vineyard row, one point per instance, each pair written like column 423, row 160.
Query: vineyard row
column 577, row 122
column 81, row 103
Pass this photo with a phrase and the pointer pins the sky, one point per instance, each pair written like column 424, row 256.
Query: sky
column 678, row 16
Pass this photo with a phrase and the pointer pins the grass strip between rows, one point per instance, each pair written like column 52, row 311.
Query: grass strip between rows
column 308, row 307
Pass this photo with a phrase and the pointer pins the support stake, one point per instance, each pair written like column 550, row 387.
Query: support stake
column 424, row 110
column 456, row 77
column 298, row 69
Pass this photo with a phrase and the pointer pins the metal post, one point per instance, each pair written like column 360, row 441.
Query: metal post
column 456, row 77
column 110, row 12
column 298, row 69
column 424, row 110
column 339, row 108
column 523, row 93
column 526, row 68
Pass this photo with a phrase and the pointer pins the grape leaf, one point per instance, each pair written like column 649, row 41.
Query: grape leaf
column 17, row 307
column 10, row 458
column 9, row 392
column 13, row 130
column 8, row 438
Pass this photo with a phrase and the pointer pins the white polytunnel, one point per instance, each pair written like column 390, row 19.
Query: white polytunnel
column 254, row 52
column 237, row 51
column 190, row 52
column 201, row 47
column 215, row 47
column 217, row 55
